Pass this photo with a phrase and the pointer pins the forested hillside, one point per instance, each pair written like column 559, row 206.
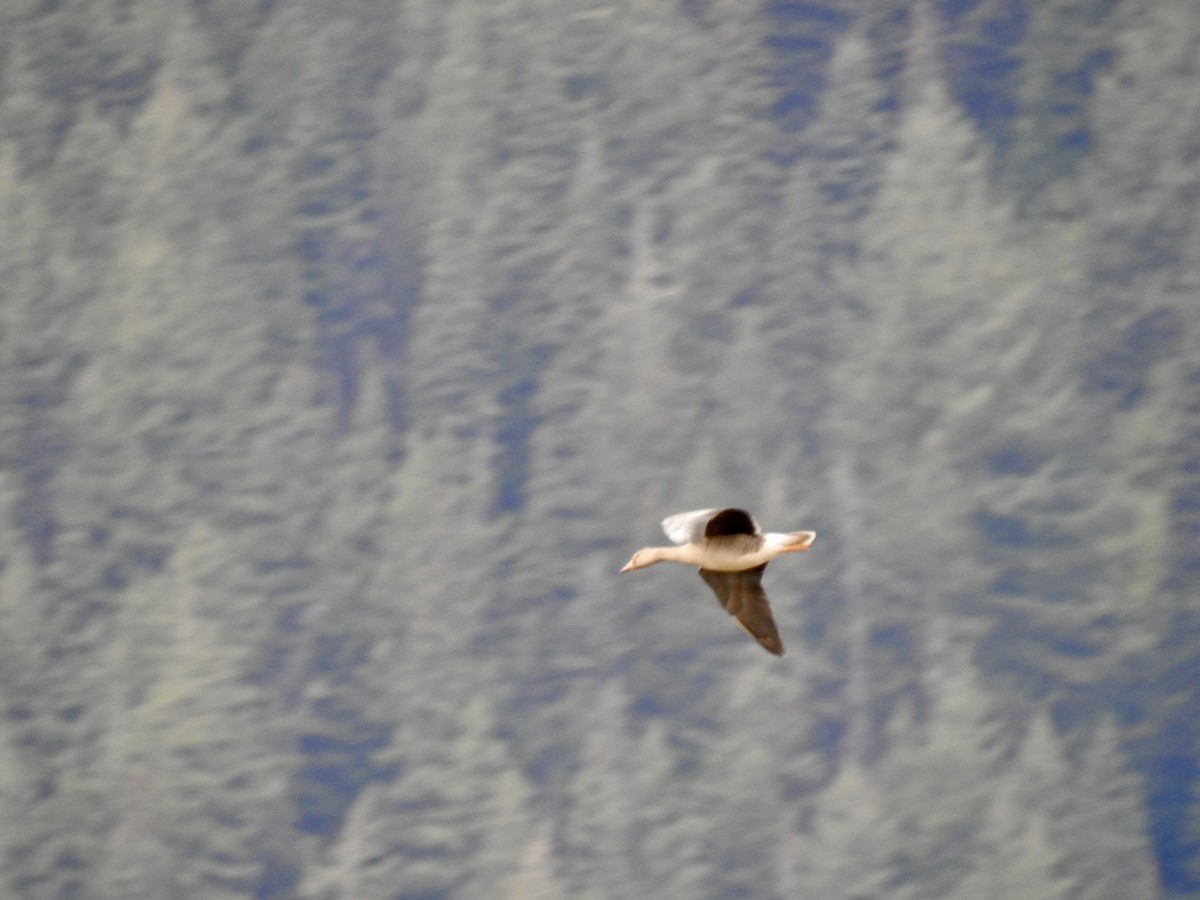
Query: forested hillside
column 347, row 350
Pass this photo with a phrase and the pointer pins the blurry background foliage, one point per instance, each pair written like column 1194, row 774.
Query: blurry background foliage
column 348, row 349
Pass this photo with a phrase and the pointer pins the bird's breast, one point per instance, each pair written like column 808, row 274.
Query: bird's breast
column 732, row 556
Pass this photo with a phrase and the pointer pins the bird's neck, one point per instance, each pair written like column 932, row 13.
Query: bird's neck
column 689, row 554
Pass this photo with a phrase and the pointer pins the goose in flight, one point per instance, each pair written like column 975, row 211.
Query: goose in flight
column 732, row 552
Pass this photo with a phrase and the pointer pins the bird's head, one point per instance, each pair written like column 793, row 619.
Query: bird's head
column 647, row 557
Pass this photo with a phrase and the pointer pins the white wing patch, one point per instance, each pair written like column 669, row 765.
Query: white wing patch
column 688, row 527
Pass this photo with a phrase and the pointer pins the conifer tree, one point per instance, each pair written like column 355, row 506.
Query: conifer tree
column 929, row 275
column 1143, row 264
column 937, row 776
column 1104, row 830
column 1064, row 49
column 845, row 850
column 1139, row 166
column 846, row 143
column 1015, row 856
column 669, row 832
column 597, row 852
column 447, row 818
column 199, row 754
column 742, row 780
column 535, row 878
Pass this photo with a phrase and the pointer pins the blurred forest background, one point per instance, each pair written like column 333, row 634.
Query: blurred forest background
column 348, row 349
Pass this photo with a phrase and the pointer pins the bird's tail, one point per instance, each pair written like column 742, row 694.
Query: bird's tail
column 799, row 541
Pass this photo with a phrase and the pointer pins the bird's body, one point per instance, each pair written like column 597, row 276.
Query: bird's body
column 731, row 552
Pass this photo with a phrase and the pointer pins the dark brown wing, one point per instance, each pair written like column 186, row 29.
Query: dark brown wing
column 730, row 521
column 742, row 595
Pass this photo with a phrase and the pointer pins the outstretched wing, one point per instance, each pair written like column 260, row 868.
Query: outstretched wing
column 742, row 595
column 688, row 527
column 693, row 527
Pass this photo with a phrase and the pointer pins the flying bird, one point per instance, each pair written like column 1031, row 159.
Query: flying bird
column 732, row 552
